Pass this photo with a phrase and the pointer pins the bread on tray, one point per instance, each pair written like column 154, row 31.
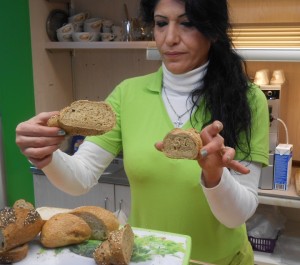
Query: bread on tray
column 117, row 249
column 100, row 220
column 64, row 229
column 18, row 226
column 85, row 117
column 182, row 144
column 14, row 255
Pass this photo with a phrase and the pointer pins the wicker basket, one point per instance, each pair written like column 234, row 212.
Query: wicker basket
column 263, row 244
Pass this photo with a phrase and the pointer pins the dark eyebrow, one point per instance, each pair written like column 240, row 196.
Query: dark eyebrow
column 161, row 16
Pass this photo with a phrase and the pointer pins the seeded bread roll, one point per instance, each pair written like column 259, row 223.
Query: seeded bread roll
column 102, row 255
column 100, row 220
column 18, row 226
column 84, row 117
column 14, row 255
column 182, row 144
column 21, row 203
column 64, row 229
column 117, row 249
column 121, row 245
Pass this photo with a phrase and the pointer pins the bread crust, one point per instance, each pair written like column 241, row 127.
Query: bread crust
column 18, row 226
column 100, row 220
column 121, row 245
column 14, row 255
column 117, row 249
column 102, row 254
column 85, row 117
column 182, row 144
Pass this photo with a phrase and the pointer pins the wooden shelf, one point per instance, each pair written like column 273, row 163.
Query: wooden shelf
column 288, row 198
column 288, row 54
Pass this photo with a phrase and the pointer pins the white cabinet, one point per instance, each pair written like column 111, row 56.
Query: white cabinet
column 113, row 197
column 47, row 195
column 123, row 199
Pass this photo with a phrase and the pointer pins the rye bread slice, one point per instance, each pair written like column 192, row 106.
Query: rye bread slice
column 85, row 117
column 182, row 144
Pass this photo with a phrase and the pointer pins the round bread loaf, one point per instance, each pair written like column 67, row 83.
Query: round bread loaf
column 64, row 229
column 182, row 144
column 85, row 117
column 18, row 226
column 14, row 255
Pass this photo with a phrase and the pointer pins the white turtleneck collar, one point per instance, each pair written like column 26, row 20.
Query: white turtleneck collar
column 186, row 82
column 176, row 92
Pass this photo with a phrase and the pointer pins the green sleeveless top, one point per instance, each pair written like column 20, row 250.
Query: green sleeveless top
column 165, row 193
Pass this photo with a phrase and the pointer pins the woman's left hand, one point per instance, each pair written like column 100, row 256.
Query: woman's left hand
column 214, row 155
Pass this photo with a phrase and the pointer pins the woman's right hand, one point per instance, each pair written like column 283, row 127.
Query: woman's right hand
column 37, row 141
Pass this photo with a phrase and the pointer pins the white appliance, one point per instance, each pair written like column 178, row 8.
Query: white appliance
column 3, row 201
column 273, row 94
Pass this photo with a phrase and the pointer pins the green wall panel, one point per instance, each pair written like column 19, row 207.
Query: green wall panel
column 16, row 94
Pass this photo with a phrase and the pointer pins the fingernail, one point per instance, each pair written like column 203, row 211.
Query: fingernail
column 219, row 126
column 203, row 153
column 61, row 132
column 228, row 158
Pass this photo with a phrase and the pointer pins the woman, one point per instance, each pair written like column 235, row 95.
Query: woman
column 201, row 84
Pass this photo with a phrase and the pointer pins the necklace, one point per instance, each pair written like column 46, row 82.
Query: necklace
column 178, row 122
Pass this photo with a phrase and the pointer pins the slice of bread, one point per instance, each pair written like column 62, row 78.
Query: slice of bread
column 121, row 245
column 64, row 229
column 18, row 226
column 100, row 220
column 102, row 255
column 84, row 117
column 182, row 144
column 14, row 255
column 117, row 249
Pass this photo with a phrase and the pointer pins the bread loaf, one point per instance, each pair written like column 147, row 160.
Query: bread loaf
column 84, row 117
column 64, row 229
column 14, row 255
column 117, row 249
column 182, row 144
column 100, row 220
column 18, row 226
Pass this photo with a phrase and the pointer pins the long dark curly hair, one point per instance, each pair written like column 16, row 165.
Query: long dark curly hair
column 226, row 82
